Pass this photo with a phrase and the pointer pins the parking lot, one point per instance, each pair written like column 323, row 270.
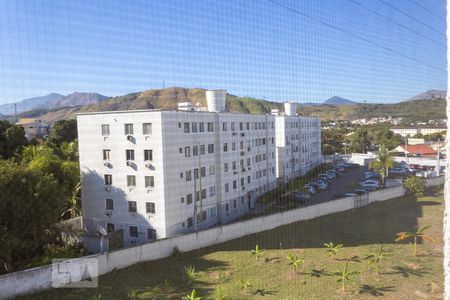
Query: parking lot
column 345, row 183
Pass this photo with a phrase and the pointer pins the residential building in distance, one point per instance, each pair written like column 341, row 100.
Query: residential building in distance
column 34, row 128
column 412, row 131
column 155, row 173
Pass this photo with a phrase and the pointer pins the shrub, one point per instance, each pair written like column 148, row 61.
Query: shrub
column 415, row 185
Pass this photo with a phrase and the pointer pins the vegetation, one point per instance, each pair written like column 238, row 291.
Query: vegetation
column 375, row 259
column 405, row 235
column 221, row 267
column 333, row 249
column 382, row 163
column 257, row 252
column 12, row 139
column 415, row 185
column 295, row 262
column 345, row 276
column 190, row 274
column 192, row 296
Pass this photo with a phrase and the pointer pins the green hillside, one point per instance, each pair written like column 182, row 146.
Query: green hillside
column 167, row 99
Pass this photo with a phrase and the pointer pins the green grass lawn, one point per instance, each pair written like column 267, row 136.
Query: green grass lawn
column 225, row 266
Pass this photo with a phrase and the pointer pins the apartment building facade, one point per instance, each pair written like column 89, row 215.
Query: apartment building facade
column 155, row 174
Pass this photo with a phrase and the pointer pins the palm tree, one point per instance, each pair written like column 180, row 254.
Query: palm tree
column 382, row 163
column 192, row 296
column 69, row 151
column 344, row 276
column 401, row 236
column 245, row 284
column 257, row 252
column 375, row 259
column 332, row 249
column 295, row 261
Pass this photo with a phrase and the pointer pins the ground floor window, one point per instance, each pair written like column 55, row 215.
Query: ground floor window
column 133, row 231
column 151, row 234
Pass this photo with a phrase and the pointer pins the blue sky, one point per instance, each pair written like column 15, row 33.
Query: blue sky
column 249, row 47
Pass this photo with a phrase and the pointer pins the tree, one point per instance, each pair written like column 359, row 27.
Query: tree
column 401, row 236
column 382, row 163
column 344, row 276
column 63, row 131
column 375, row 259
column 332, row 249
column 257, row 252
column 295, row 261
column 12, row 139
column 192, row 296
column 359, row 141
column 31, row 201
column 415, row 185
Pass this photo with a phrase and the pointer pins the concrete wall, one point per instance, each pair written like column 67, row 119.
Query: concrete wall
column 36, row 279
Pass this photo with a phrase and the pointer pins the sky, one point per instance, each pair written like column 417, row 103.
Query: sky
column 304, row 51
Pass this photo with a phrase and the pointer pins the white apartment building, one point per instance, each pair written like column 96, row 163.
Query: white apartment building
column 155, row 173
column 405, row 132
column 298, row 143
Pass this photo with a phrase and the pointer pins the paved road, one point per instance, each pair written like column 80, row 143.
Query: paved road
column 346, row 183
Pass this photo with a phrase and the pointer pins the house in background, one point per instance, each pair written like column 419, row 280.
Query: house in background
column 34, row 128
column 415, row 150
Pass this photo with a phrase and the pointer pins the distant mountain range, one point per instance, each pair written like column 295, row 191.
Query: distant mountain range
column 431, row 94
column 51, row 101
column 335, row 108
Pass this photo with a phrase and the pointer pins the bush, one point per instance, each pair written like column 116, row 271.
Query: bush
column 415, row 185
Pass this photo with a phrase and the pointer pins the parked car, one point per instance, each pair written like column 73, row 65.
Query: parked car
column 398, row 171
column 302, row 197
column 310, row 188
column 332, row 173
column 369, row 185
column 350, row 195
column 340, row 169
column 325, row 177
column 371, row 180
column 320, row 185
column 360, row 192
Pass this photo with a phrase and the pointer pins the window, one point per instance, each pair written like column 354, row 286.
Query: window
column 212, row 212
column 187, row 151
column 210, row 127
column 110, row 227
column 132, row 207
column 233, row 128
column 227, row 207
column 147, row 128
column 248, row 126
column 227, row 188
column 133, row 231
column 233, row 146
column 203, row 194
column 194, row 127
column 234, row 184
column 196, row 173
column 188, row 175
column 225, row 167
column 211, row 148
column 203, row 171
column 225, row 147
column 106, row 154
column 202, row 149
column 108, row 179
column 109, row 204
column 242, row 181
column 129, row 154
column 186, row 128
column 234, row 166
column 194, row 150
column 128, row 129
column 241, row 126
column 201, row 127
column 189, row 199
column 180, row 150
column 212, row 191
column 150, row 207
column 105, row 129
column 248, row 179
column 149, row 181
column 151, row 234
column 224, row 126
column 190, row 222
column 148, row 155
column 235, row 204
column 212, row 170
column 131, row 180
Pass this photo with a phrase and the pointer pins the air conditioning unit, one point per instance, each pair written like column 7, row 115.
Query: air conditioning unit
column 243, row 169
column 242, row 153
column 108, row 188
column 148, row 164
column 249, row 149
column 234, row 133
column 108, row 213
column 235, row 172
column 242, row 134
column 130, row 163
column 129, row 137
column 107, row 164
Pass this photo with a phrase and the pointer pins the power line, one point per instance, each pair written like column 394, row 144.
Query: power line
column 426, row 9
column 398, row 24
column 356, row 36
column 413, row 18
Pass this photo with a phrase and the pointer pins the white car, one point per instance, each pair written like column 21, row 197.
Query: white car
column 369, row 185
column 374, row 181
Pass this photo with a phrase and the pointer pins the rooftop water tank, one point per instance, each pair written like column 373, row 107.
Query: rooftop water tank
column 215, row 100
column 290, row 108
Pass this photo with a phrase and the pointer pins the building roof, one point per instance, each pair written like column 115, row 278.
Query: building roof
column 422, row 149
column 24, row 121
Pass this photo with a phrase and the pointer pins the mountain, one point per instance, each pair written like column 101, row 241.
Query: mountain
column 335, row 100
column 431, row 94
column 167, row 99
column 28, row 104
column 74, row 99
